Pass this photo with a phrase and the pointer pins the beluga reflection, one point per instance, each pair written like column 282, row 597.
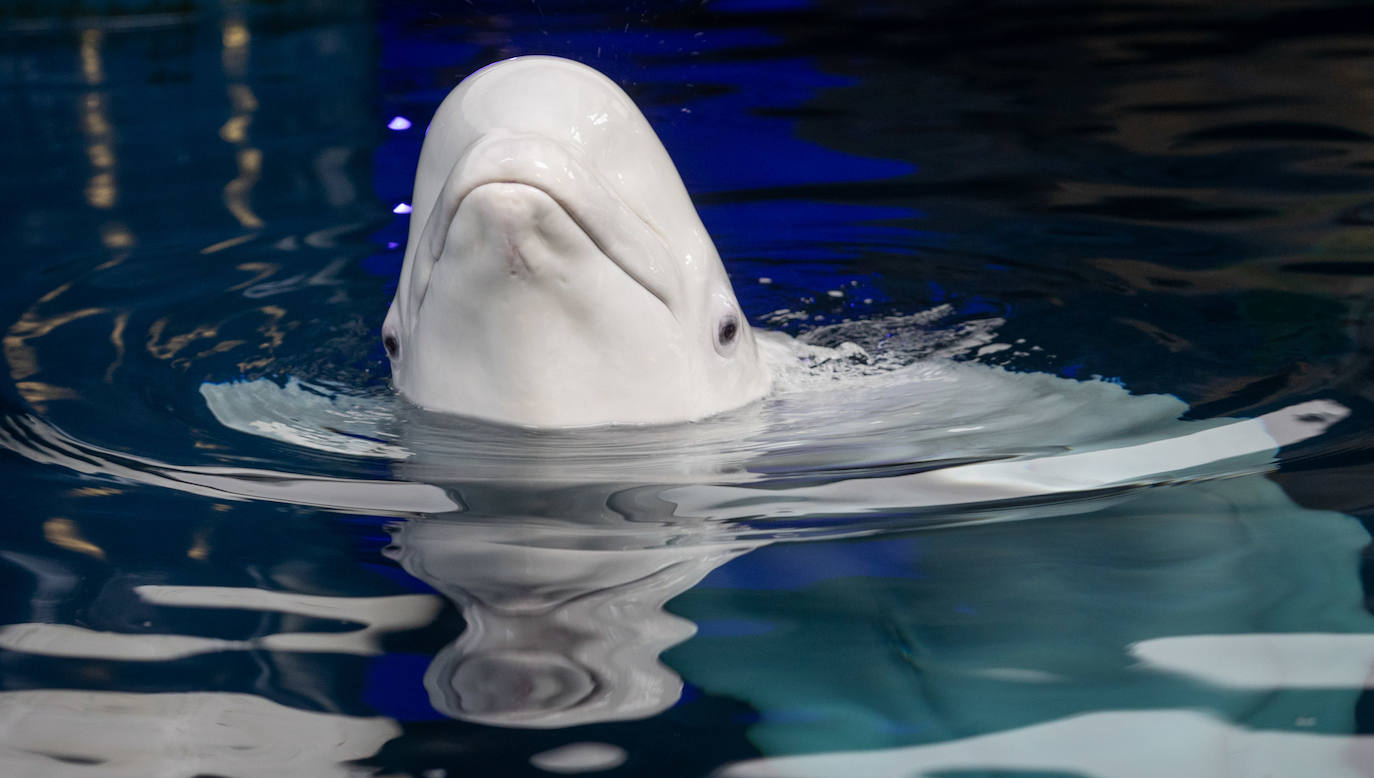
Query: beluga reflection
column 556, row 635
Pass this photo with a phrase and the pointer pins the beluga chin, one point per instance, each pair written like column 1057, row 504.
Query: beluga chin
column 556, row 273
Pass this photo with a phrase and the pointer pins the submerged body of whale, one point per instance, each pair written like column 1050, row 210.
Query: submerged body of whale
column 556, row 273
column 562, row 583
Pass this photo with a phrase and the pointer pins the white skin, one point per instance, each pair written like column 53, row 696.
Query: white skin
column 556, row 273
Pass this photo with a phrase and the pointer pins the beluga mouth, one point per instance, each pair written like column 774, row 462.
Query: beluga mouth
column 556, row 273
column 513, row 178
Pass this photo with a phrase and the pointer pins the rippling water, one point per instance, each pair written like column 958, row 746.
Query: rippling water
column 1087, row 495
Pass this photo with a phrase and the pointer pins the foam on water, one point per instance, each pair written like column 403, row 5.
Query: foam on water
column 894, row 424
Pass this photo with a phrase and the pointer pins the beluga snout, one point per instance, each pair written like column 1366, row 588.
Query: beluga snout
column 556, row 273
column 523, row 227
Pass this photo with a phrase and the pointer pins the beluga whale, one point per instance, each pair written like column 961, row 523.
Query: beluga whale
column 556, row 273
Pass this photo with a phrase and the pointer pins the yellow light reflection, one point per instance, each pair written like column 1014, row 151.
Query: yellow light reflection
column 100, row 154
column 236, row 129
column 94, row 491
column 23, row 359
column 261, row 272
column 100, row 191
column 62, row 532
column 55, row 293
column 18, row 353
column 242, row 98
column 102, row 188
column 114, row 235
column 225, row 244
column 91, row 67
column 220, row 348
column 275, row 313
column 236, row 192
column 234, row 35
column 236, row 40
column 273, row 333
column 38, row 394
column 200, row 547
column 169, row 348
column 250, row 162
column 117, row 340
column 93, row 121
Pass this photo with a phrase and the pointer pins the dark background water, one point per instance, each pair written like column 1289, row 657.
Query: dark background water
column 1178, row 196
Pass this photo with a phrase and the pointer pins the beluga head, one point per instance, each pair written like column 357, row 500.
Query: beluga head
column 556, row 273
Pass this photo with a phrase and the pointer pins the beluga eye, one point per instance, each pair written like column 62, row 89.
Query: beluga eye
column 391, row 344
column 727, row 334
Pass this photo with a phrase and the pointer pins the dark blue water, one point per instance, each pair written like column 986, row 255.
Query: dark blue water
column 1175, row 199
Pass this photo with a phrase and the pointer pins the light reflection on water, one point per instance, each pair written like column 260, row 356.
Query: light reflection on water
column 225, row 526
